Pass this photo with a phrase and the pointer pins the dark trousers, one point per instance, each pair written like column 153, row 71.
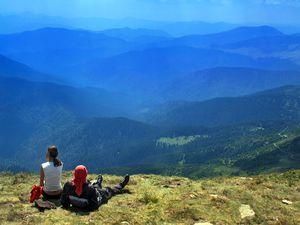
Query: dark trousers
column 107, row 192
column 50, row 197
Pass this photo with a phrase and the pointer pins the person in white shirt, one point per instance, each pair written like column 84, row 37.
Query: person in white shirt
column 50, row 174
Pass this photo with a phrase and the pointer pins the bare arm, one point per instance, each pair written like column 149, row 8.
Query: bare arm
column 42, row 176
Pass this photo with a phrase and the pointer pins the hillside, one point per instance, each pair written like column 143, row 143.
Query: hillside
column 271, row 44
column 81, row 101
column 36, row 115
column 53, row 50
column 10, row 68
column 222, row 38
column 227, row 82
column 167, row 200
column 276, row 104
column 284, row 47
column 139, row 35
column 146, row 71
column 32, row 111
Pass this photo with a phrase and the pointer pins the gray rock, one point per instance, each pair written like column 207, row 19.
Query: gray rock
column 246, row 211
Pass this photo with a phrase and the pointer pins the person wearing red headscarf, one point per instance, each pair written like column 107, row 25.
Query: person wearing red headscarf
column 82, row 194
column 80, row 174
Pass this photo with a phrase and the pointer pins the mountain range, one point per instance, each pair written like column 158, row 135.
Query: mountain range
column 277, row 104
column 140, row 60
column 145, row 100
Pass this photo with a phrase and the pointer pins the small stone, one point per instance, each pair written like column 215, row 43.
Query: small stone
column 246, row 211
column 192, row 196
column 287, row 202
column 246, row 178
column 219, row 198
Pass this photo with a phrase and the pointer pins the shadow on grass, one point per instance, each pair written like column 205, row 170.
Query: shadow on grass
column 78, row 211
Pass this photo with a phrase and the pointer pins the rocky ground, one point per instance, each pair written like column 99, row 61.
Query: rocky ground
column 265, row 199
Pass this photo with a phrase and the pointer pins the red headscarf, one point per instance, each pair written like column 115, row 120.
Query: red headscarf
column 79, row 178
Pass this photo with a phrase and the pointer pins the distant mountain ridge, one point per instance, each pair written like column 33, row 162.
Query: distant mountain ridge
column 25, row 21
column 149, row 69
column 52, row 50
column 227, row 82
column 225, row 37
column 130, row 34
column 137, row 60
column 11, row 68
column 277, row 104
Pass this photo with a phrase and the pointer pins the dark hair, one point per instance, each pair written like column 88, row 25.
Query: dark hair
column 53, row 153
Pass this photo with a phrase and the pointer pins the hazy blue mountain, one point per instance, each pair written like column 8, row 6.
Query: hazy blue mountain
column 287, row 29
column 80, row 101
column 27, row 21
column 195, row 27
column 11, row 68
column 284, row 47
column 104, row 59
column 130, row 34
column 273, row 105
column 226, row 81
column 95, row 141
column 146, row 69
column 271, row 44
column 54, row 49
column 29, row 107
column 218, row 39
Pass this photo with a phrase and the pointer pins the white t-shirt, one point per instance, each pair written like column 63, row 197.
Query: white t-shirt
column 52, row 181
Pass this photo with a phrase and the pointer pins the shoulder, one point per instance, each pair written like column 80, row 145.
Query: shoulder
column 60, row 167
column 68, row 184
column 45, row 164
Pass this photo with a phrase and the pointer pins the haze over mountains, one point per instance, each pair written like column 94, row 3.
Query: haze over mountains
column 153, row 97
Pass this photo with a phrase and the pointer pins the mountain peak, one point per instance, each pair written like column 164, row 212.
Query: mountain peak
column 259, row 30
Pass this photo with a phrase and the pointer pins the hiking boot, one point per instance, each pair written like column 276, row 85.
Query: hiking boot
column 125, row 181
column 99, row 180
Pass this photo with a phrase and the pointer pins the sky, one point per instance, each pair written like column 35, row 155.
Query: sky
column 234, row 11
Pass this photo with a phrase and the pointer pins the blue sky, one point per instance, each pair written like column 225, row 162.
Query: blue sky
column 236, row 11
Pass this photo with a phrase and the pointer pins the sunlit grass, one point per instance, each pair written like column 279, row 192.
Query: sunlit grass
column 155, row 199
column 178, row 141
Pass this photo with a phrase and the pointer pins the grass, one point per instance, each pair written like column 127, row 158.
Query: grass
column 179, row 141
column 156, row 199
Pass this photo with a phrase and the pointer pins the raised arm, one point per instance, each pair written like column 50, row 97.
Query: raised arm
column 42, row 177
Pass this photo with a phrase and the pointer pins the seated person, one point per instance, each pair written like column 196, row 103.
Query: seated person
column 82, row 194
column 50, row 175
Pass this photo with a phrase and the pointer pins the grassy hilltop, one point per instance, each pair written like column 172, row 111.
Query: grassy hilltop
column 168, row 200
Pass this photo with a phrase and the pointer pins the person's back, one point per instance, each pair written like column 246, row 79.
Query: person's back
column 52, row 180
column 50, row 174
